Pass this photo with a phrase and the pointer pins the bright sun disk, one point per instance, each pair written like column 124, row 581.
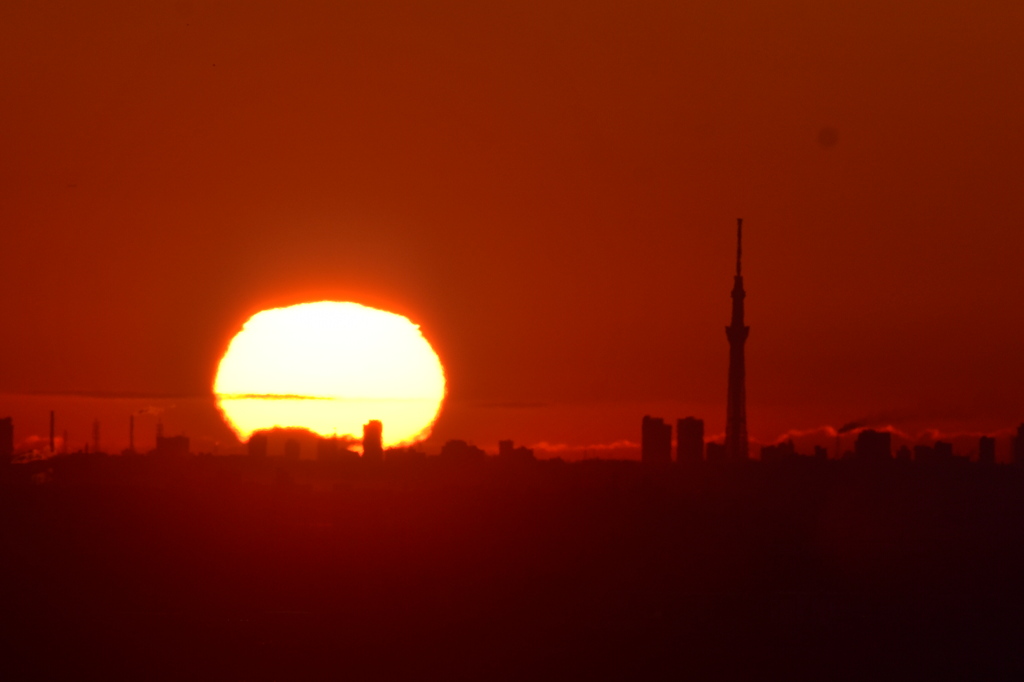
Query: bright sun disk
column 330, row 367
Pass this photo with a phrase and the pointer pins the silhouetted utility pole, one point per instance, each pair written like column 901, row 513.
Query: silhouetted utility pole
column 736, row 444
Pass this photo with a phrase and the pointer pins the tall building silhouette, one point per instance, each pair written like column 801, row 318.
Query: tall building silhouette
column 986, row 450
column 736, row 444
column 689, row 440
column 372, row 441
column 655, row 441
column 1018, row 446
column 6, row 440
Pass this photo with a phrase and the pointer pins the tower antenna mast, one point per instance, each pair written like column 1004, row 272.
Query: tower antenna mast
column 739, row 246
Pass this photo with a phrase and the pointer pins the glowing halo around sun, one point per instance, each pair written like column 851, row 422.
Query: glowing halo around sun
column 330, row 367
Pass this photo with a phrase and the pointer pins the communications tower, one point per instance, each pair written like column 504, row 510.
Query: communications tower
column 736, row 445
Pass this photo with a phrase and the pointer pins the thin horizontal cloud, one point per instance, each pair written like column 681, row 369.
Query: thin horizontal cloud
column 111, row 395
column 613, row 450
column 562, row 447
column 271, row 396
column 925, row 435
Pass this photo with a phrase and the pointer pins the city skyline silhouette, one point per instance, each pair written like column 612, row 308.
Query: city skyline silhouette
column 541, row 214
column 656, row 442
column 538, row 198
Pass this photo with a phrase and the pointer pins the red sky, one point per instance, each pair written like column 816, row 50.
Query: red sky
column 550, row 189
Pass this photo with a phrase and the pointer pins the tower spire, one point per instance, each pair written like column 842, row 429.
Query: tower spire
column 736, row 443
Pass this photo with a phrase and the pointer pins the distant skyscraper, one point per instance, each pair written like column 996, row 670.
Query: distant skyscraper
column 736, row 443
column 372, row 440
column 655, row 441
column 987, row 450
column 1018, row 446
column 6, row 440
column 689, row 440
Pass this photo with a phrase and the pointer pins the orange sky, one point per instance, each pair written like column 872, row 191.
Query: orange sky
column 549, row 188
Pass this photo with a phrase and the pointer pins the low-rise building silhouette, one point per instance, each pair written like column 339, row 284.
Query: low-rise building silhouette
column 459, row 451
column 943, row 451
column 172, row 446
column 333, row 450
column 780, row 452
column 715, row 452
column 292, row 448
column 507, row 451
column 689, row 440
column 873, row 446
column 404, row 454
column 257, row 445
column 326, row 449
column 656, row 441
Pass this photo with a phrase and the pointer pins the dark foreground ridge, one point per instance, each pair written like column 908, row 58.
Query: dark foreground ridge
column 234, row 568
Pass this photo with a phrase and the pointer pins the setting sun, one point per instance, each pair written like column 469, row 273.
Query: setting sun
column 330, row 367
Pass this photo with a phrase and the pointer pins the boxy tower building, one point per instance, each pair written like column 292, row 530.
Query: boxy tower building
column 6, row 440
column 656, row 441
column 689, row 440
column 373, row 448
